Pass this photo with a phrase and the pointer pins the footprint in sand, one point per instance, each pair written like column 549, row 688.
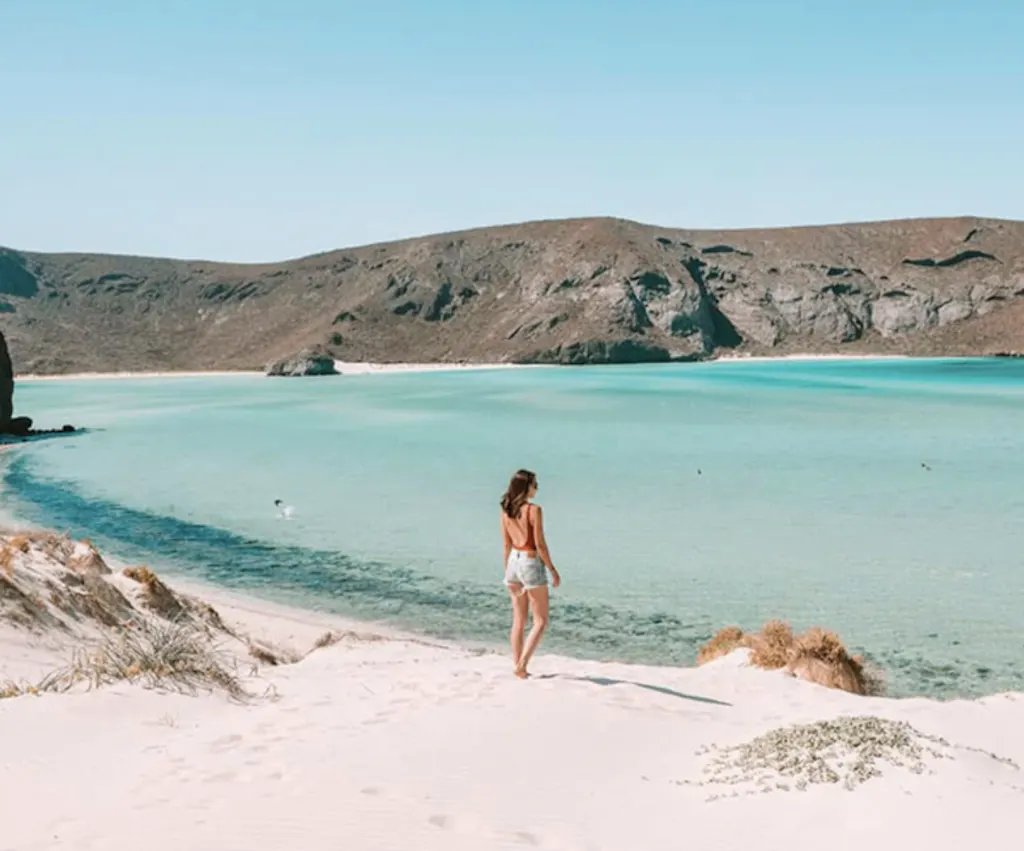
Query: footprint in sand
column 223, row 777
column 473, row 827
column 225, row 743
column 381, row 717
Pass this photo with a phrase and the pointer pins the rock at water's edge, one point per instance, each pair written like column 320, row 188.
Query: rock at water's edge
column 601, row 352
column 315, row 361
column 19, row 426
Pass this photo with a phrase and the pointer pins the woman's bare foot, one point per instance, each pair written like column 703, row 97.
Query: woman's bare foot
column 521, row 673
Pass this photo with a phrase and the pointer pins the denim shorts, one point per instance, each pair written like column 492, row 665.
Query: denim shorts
column 526, row 570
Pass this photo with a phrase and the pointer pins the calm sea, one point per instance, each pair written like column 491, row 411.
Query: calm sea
column 883, row 499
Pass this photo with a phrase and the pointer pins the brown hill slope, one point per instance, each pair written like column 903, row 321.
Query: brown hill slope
column 587, row 290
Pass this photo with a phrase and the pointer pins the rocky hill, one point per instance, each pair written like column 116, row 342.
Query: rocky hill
column 575, row 291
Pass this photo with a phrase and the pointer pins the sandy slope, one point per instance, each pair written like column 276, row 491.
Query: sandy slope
column 396, row 743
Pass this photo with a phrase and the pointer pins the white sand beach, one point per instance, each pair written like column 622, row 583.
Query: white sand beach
column 360, row 368
column 805, row 357
column 369, row 368
column 343, row 368
column 115, row 376
column 383, row 741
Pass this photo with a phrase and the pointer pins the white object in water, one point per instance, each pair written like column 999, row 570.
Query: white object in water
column 284, row 512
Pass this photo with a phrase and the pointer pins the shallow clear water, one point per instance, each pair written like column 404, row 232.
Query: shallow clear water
column 679, row 499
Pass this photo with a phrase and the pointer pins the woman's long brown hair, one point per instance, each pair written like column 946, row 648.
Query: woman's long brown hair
column 518, row 492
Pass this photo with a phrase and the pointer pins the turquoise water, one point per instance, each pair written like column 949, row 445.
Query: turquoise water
column 882, row 499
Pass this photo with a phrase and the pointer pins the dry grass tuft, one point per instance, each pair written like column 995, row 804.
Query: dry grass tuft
column 173, row 657
column 817, row 656
column 53, row 682
column 7, row 560
column 157, row 655
column 141, row 574
column 721, row 644
column 770, row 648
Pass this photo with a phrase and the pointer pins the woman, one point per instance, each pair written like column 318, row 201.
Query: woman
column 526, row 554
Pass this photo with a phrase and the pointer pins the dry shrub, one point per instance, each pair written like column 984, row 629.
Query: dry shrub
column 770, row 648
column 7, row 560
column 817, row 656
column 721, row 644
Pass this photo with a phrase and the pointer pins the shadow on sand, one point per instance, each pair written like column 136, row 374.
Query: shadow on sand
column 608, row 681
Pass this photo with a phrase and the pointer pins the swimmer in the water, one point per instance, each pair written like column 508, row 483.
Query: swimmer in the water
column 283, row 510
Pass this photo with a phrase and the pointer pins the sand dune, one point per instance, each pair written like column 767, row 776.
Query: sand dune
column 383, row 741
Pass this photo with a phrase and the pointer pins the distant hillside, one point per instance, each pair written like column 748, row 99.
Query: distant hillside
column 577, row 291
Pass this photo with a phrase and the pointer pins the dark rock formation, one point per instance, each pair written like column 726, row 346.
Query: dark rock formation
column 6, row 385
column 577, row 291
column 19, row 426
column 9, row 424
column 313, row 361
column 600, row 351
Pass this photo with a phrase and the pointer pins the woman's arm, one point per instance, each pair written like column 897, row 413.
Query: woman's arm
column 542, row 545
column 506, row 541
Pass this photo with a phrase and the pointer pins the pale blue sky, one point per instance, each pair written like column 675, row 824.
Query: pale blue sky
column 264, row 130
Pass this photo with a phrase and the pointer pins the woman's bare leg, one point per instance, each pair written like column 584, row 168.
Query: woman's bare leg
column 519, row 610
column 539, row 606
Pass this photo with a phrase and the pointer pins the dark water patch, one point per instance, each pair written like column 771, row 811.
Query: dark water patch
column 913, row 674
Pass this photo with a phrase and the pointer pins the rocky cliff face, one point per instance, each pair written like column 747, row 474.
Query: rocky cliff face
column 6, row 385
column 9, row 424
column 579, row 291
